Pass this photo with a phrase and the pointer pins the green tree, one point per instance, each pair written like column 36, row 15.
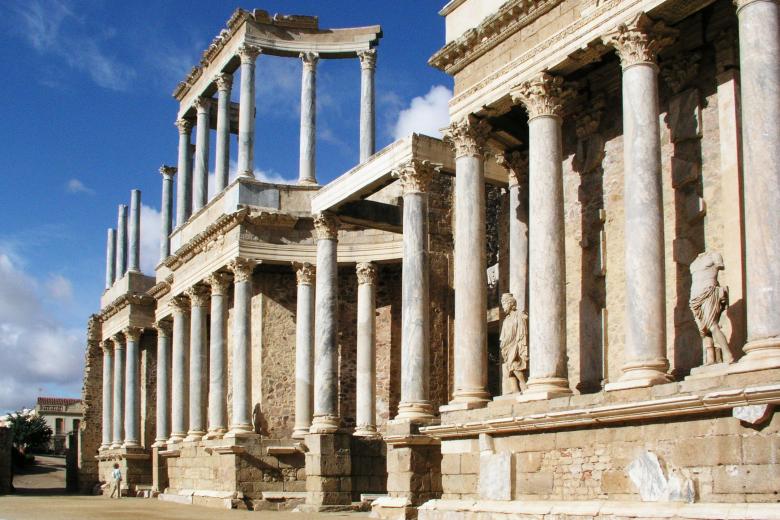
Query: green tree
column 29, row 430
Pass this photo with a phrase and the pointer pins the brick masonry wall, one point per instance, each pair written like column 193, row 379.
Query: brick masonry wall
column 90, row 429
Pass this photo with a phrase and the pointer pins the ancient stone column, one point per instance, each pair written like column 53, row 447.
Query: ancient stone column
column 637, row 43
column 224, row 83
column 415, row 178
column 468, row 138
column 759, row 61
column 108, row 383
column 179, row 307
column 110, row 258
column 516, row 164
column 246, row 111
column 241, row 420
column 134, row 237
column 543, row 99
column 184, row 186
column 163, row 383
column 326, row 418
column 219, row 283
column 365, row 417
column 197, row 406
column 367, row 117
column 200, row 173
column 121, row 242
column 166, row 218
column 308, row 153
column 133, row 392
column 304, row 348
column 119, row 392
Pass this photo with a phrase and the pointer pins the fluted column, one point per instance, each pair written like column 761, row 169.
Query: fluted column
column 326, row 418
column 134, row 235
column 121, row 242
column 163, row 406
column 468, row 138
column 224, row 83
column 304, row 348
column 637, row 43
column 543, row 99
column 367, row 116
column 241, row 420
column 133, row 391
column 198, row 303
column 246, row 111
column 166, row 217
column 110, row 258
column 516, row 164
column 184, row 186
column 759, row 61
column 365, row 417
column 108, row 383
column 200, row 172
column 179, row 307
column 308, row 151
column 119, row 392
column 415, row 178
column 219, row 283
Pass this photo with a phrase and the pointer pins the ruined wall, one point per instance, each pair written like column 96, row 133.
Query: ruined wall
column 91, row 426
column 148, row 379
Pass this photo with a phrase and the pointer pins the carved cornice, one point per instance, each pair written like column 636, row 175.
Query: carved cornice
column 202, row 104
column 367, row 59
column 198, row 295
column 206, row 239
column 164, row 328
column 309, row 60
column 248, row 53
column 168, row 171
column 416, row 176
column 366, row 273
column 224, row 81
column 639, row 40
column 159, row 290
column 132, row 333
column 326, row 226
column 305, row 273
column 184, row 126
column 268, row 218
column 468, row 137
column 123, row 301
column 242, row 269
column 179, row 304
column 219, row 282
column 543, row 95
column 516, row 165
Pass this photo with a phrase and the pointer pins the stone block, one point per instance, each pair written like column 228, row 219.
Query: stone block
column 328, row 498
column 685, row 116
column 613, row 482
column 450, row 464
column 459, row 483
column 528, row 462
column 469, row 463
column 496, row 476
column 746, row 478
column 460, row 446
column 540, row 483
column 710, row 451
column 761, row 449
column 522, row 443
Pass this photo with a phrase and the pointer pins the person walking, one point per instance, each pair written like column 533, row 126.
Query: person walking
column 116, row 476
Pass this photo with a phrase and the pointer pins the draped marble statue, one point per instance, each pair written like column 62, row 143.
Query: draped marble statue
column 708, row 301
column 514, row 346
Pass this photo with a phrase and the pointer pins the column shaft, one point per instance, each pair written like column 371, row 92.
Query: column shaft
column 197, row 404
column 241, row 420
column 308, row 151
column 110, row 258
column 108, row 376
column 200, row 172
column 134, row 237
column 217, row 370
column 246, row 111
column 121, row 242
column 367, row 115
column 366, row 351
column 163, row 383
column 133, row 392
column 304, row 350
column 184, row 186
column 222, row 153
column 179, row 371
column 119, row 393
column 166, row 218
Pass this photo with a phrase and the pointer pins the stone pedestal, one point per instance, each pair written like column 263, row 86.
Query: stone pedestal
column 159, row 470
column 328, row 472
column 134, row 463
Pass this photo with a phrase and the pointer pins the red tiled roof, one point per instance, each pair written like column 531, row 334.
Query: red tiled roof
column 57, row 401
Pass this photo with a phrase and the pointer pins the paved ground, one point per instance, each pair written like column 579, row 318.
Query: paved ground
column 46, row 476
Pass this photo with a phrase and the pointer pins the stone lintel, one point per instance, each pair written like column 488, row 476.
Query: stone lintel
column 372, row 214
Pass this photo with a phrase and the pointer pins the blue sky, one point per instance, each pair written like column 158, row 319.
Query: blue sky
column 87, row 115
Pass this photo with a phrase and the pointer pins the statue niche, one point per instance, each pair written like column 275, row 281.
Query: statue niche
column 708, row 301
column 514, row 346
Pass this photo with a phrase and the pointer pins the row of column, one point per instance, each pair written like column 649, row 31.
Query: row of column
column 121, row 390
column 123, row 244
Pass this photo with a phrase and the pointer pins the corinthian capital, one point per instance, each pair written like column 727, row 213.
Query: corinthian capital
column 366, row 273
column 242, row 269
column 106, row 346
column 224, row 81
column 248, row 53
column 168, row 171
column 742, row 3
column 219, row 283
column 309, row 60
column 184, row 126
column 326, row 226
column 202, row 104
column 415, row 176
column 367, row 59
column 199, row 296
column 468, row 137
column 516, row 165
column 543, row 95
column 179, row 304
column 132, row 333
column 164, row 328
column 639, row 40
column 304, row 272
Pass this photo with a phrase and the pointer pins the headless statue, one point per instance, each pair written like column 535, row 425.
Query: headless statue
column 514, row 346
column 708, row 301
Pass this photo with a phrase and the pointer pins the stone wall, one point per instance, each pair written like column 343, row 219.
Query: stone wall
column 6, row 460
column 91, row 426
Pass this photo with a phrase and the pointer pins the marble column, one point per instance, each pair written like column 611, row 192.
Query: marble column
column 308, row 152
column 304, row 348
column 119, row 392
column 637, row 43
column 184, row 186
column 121, row 242
column 246, row 111
column 543, row 99
column 200, row 173
column 110, row 258
column 468, row 138
column 326, row 418
column 108, row 376
column 166, row 217
column 134, row 235
column 241, row 420
column 365, row 410
column 197, row 405
column 219, row 283
column 179, row 307
column 133, row 390
column 367, row 117
column 224, row 83
column 516, row 164
column 415, row 178
column 759, row 61
column 163, row 383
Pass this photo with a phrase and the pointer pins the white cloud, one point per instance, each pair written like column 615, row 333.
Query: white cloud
column 151, row 222
column 60, row 288
column 76, row 186
column 425, row 115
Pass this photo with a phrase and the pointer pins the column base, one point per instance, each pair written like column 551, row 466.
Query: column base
column 115, row 445
column 217, row 433
column 366, row 430
column 160, row 443
column 414, row 411
column 541, row 388
column 241, row 431
column 761, row 354
column 194, row 436
column 325, row 424
column 104, row 447
column 467, row 399
column 176, row 438
column 308, row 182
column 641, row 374
column 300, row 432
